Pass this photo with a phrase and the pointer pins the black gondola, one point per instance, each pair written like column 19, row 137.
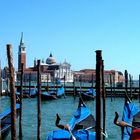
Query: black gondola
column 28, row 93
column 130, row 128
column 89, row 95
column 81, row 126
column 5, row 120
column 49, row 95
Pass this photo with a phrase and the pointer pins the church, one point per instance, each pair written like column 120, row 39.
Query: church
column 50, row 69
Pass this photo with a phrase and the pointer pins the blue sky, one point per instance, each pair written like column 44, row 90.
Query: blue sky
column 74, row 30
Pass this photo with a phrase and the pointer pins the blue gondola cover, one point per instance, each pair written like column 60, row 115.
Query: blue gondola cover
column 129, row 111
column 60, row 91
column 80, row 114
column 92, row 91
column 8, row 111
column 59, row 135
column 81, row 134
column 84, row 135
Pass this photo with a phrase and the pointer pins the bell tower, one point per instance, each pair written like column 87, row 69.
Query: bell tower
column 21, row 54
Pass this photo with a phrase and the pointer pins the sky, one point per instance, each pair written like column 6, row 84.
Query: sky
column 73, row 30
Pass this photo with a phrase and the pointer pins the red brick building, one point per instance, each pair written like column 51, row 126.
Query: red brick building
column 89, row 75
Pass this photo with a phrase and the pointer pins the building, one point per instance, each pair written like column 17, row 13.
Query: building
column 89, row 75
column 50, row 69
column 21, row 54
column 55, row 71
column 64, row 72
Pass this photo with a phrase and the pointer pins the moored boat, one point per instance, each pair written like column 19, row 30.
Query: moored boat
column 89, row 95
column 49, row 95
column 81, row 126
column 5, row 120
column 135, row 134
column 27, row 93
column 46, row 95
column 130, row 124
column 60, row 92
column 30, row 92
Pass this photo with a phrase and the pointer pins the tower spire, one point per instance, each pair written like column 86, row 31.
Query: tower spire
column 50, row 54
column 21, row 40
column 21, row 54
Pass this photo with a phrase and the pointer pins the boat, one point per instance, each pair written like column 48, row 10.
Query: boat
column 46, row 95
column 89, row 95
column 27, row 93
column 81, row 126
column 60, row 92
column 5, row 120
column 50, row 95
column 30, row 93
column 135, row 134
column 130, row 124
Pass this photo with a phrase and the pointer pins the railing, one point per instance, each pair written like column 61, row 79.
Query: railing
column 70, row 90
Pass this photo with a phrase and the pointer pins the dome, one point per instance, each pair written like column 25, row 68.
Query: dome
column 50, row 60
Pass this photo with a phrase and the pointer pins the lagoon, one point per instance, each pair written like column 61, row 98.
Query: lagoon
column 65, row 107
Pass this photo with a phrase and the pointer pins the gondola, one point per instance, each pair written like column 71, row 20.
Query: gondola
column 5, row 120
column 130, row 124
column 46, row 95
column 81, row 126
column 89, row 95
column 60, row 92
column 135, row 135
column 27, row 93
column 30, row 93
column 50, row 95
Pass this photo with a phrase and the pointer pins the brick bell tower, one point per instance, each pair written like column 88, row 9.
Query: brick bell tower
column 21, row 54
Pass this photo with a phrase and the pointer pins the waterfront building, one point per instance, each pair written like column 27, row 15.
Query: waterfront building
column 64, row 72
column 55, row 71
column 50, row 69
column 89, row 75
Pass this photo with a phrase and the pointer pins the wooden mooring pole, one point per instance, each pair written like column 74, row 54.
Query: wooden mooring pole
column 130, row 84
column 98, row 93
column 47, row 82
column 21, row 94
column 12, row 92
column 39, row 101
column 29, row 83
column 92, row 81
column 80, row 80
column 126, row 80
column 64, row 86
column 139, row 88
column 114, row 87
column 0, row 91
column 126, row 85
column 104, row 100
column 74, row 87
column 111, row 85
column 0, row 80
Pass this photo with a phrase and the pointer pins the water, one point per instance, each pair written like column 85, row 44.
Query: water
column 65, row 107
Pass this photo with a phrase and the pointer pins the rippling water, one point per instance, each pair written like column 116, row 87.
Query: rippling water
column 65, row 107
